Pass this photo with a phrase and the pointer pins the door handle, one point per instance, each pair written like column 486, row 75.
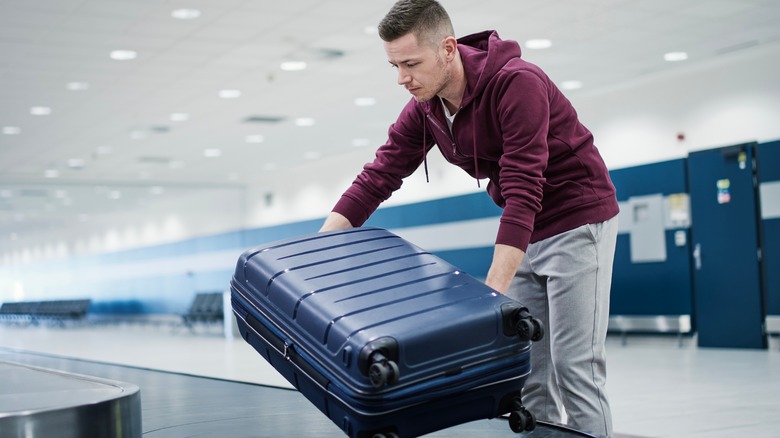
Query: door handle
column 697, row 256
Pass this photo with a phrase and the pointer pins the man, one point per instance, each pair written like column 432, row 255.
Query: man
column 498, row 117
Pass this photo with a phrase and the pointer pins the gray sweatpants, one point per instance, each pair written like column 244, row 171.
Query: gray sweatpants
column 565, row 281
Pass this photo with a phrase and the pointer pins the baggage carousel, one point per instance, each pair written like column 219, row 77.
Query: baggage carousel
column 43, row 396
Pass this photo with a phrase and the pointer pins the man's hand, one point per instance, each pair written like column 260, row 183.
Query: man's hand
column 335, row 221
column 506, row 260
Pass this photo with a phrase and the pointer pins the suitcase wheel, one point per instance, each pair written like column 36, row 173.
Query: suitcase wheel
column 378, row 361
column 382, row 372
column 385, row 435
column 519, row 322
column 530, row 329
column 520, row 420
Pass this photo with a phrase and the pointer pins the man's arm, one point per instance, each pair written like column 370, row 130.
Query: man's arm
column 335, row 221
column 506, row 260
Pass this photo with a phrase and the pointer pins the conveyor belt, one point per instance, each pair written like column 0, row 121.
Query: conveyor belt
column 178, row 405
column 40, row 402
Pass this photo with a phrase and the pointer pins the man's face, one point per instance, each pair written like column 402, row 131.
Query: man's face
column 421, row 69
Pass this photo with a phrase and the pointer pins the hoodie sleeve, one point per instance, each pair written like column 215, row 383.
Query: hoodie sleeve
column 398, row 158
column 524, row 117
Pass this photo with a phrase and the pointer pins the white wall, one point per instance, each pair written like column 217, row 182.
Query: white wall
column 177, row 214
column 731, row 100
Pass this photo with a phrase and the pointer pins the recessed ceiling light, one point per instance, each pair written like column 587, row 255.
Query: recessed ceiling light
column 185, row 14
column 179, row 117
column 51, row 173
column 156, row 190
column 124, row 55
column 40, row 110
column 293, row 66
column 77, row 86
column 304, row 121
column 212, row 153
column 360, row 142
column 76, row 163
column 12, row 130
column 675, row 56
column 114, row 194
column 571, row 85
column 538, row 43
column 60, row 194
column 365, row 101
column 103, row 150
column 138, row 134
column 229, row 94
column 254, row 138
column 313, row 155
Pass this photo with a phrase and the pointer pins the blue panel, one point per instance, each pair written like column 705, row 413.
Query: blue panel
column 772, row 265
column 768, row 156
column 439, row 211
column 473, row 261
column 667, row 177
column 662, row 288
column 647, row 289
column 769, row 170
column 259, row 236
column 725, row 226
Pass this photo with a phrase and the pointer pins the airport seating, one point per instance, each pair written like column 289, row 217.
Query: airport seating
column 206, row 308
column 53, row 311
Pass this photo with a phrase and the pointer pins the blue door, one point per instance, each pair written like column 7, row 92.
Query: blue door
column 727, row 275
column 769, row 192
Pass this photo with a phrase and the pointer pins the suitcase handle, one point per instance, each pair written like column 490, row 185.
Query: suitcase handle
column 286, row 350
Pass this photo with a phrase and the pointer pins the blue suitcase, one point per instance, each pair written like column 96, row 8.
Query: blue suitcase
column 383, row 337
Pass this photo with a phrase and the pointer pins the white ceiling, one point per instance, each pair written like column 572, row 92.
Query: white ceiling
column 120, row 127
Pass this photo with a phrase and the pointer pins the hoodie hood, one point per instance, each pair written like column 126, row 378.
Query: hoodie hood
column 484, row 54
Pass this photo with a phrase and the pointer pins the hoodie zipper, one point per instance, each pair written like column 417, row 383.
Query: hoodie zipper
column 446, row 133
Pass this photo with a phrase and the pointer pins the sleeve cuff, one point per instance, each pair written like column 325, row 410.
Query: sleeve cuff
column 513, row 235
column 352, row 210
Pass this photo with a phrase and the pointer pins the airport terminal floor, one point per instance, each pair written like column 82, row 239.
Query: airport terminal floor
column 202, row 383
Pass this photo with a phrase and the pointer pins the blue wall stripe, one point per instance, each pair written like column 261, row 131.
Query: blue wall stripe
column 666, row 178
column 164, row 278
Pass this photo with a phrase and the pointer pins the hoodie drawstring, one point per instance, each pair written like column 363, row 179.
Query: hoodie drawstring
column 474, row 143
column 474, row 138
column 425, row 145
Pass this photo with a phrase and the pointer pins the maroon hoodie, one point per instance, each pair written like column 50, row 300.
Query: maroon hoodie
column 515, row 128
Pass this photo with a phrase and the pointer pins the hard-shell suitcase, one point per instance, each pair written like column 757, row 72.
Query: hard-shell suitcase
column 383, row 337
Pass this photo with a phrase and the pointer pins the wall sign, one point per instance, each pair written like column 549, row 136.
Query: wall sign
column 724, row 194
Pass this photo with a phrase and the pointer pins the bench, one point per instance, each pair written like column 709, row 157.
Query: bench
column 206, row 308
column 56, row 311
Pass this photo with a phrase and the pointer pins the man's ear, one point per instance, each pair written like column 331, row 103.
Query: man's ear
column 449, row 46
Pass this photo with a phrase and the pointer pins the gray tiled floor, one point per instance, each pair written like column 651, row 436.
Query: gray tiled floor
column 657, row 388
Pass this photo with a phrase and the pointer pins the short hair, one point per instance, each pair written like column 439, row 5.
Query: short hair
column 426, row 19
